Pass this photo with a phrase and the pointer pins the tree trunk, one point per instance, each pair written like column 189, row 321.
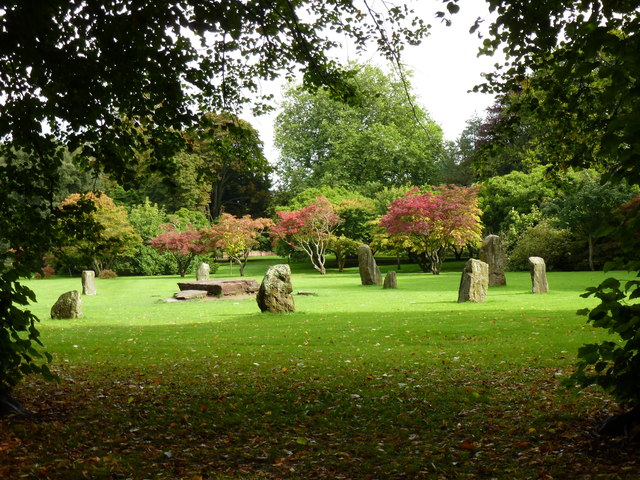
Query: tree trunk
column 422, row 261
column 590, row 239
column 436, row 261
column 9, row 405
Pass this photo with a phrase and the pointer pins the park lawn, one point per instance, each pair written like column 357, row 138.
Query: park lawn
column 359, row 382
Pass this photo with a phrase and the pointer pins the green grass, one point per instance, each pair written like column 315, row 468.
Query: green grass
column 359, row 382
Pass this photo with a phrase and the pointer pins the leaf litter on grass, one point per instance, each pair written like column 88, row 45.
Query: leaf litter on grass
column 421, row 423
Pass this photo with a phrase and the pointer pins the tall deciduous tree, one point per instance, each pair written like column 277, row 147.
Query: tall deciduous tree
column 585, row 203
column 383, row 138
column 456, row 163
column 431, row 222
column 228, row 148
column 237, row 237
column 310, row 229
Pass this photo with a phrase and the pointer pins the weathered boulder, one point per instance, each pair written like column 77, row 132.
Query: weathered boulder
column 203, row 272
column 227, row 286
column 474, row 282
column 68, row 305
column 538, row 270
column 390, row 280
column 275, row 293
column 369, row 271
column 492, row 254
column 88, row 282
column 189, row 294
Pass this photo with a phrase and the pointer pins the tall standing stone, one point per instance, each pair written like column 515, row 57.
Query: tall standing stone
column 68, row 305
column 203, row 272
column 474, row 282
column 491, row 253
column 88, row 282
column 390, row 280
column 538, row 269
column 369, row 271
column 275, row 293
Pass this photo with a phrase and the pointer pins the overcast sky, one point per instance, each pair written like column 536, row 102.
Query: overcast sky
column 445, row 67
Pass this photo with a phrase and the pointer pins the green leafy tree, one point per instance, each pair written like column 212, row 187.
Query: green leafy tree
column 229, row 159
column 147, row 219
column 456, row 162
column 585, row 203
column 382, row 138
column 343, row 247
column 517, row 191
column 542, row 240
column 113, row 236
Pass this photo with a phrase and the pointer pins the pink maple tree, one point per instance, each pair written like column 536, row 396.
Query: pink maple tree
column 184, row 246
column 427, row 224
column 310, row 229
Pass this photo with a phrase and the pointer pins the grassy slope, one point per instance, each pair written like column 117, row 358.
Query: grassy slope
column 359, row 382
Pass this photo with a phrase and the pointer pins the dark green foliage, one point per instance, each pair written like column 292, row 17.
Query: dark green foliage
column 19, row 338
column 518, row 191
column 543, row 240
column 456, row 162
column 614, row 366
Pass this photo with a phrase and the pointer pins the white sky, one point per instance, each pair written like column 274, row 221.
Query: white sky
column 445, row 67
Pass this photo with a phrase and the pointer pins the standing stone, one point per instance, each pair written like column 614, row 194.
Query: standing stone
column 88, row 282
column 275, row 293
column 369, row 271
column 491, row 253
column 538, row 269
column 390, row 280
column 474, row 282
column 68, row 305
column 203, row 272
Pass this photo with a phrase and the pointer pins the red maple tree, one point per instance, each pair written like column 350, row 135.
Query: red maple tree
column 426, row 224
column 310, row 229
column 184, row 246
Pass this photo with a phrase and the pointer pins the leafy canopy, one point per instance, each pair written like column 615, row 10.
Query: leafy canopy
column 311, row 229
column 237, row 236
column 382, row 139
column 429, row 223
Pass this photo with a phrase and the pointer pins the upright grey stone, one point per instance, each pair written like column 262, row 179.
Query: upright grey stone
column 390, row 280
column 474, row 282
column 491, row 253
column 538, row 269
column 203, row 272
column 68, row 305
column 369, row 271
column 275, row 293
column 88, row 282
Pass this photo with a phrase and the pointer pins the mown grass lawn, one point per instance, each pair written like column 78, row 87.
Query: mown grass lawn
column 359, row 382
